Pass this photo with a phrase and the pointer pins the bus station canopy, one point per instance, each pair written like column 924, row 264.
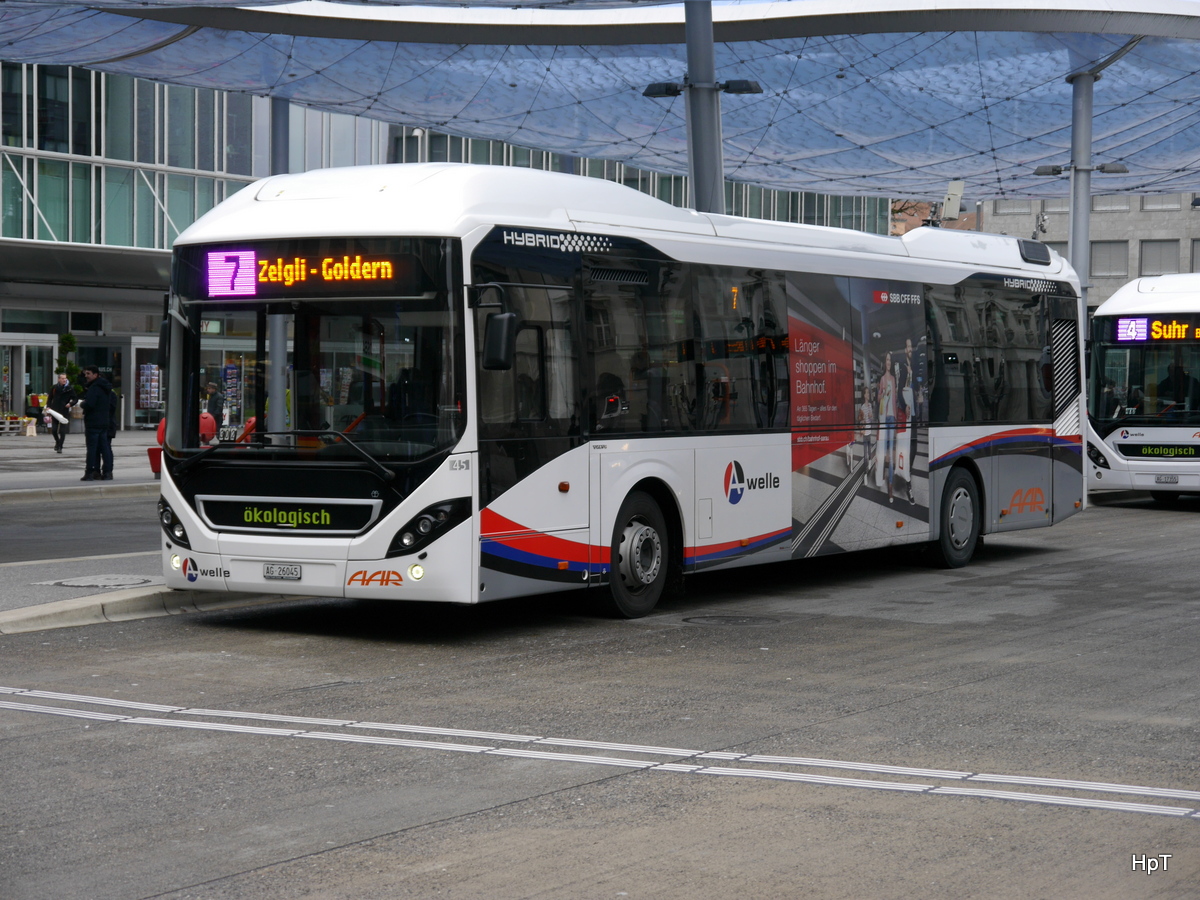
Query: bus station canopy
column 874, row 97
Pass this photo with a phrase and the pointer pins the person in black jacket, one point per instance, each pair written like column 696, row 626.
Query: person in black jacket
column 61, row 399
column 98, row 402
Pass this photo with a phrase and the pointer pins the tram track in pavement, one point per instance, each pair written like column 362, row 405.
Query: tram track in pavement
column 1041, row 790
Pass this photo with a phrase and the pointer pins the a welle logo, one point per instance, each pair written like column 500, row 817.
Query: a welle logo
column 736, row 482
column 285, row 518
column 192, row 571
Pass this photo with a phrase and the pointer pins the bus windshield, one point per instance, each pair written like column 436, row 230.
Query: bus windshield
column 335, row 368
column 1144, row 383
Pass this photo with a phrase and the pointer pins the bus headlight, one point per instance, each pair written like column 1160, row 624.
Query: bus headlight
column 416, row 571
column 1096, row 456
column 171, row 524
column 429, row 524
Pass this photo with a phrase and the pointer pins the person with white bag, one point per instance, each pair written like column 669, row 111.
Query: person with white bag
column 58, row 404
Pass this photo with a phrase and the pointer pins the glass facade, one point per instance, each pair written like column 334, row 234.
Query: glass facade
column 870, row 214
column 88, row 157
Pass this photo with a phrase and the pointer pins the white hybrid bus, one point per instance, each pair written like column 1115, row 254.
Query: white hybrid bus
column 1143, row 398
column 462, row 383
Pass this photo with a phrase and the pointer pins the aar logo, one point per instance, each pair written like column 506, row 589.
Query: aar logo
column 1028, row 501
column 190, row 570
column 735, row 482
column 383, row 578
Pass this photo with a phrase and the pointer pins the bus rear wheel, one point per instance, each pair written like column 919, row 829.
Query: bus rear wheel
column 640, row 552
column 960, row 520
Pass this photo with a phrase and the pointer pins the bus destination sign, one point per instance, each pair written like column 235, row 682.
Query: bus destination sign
column 1145, row 328
column 243, row 273
column 298, row 268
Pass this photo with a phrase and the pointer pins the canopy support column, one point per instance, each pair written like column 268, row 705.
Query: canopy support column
column 277, row 411
column 1079, row 247
column 706, row 182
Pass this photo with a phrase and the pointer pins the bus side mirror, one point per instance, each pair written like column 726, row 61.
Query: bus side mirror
column 499, row 340
column 164, row 340
column 165, row 333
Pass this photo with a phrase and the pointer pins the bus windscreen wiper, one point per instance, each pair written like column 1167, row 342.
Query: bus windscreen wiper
column 383, row 471
column 186, row 464
column 379, row 468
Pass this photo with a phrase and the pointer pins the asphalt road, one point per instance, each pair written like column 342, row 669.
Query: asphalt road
column 855, row 727
column 94, row 526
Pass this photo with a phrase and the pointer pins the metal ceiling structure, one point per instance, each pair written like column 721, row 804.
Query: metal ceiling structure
column 878, row 97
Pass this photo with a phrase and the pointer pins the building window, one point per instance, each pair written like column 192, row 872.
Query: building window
column 1012, row 207
column 1057, row 205
column 1160, row 201
column 1059, row 247
column 1195, row 255
column 1110, row 203
column 34, row 321
column 1160, row 258
column 87, row 321
column 1110, row 259
column 54, row 108
column 53, row 200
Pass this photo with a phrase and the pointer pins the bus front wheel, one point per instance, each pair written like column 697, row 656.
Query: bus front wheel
column 639, row 553
column 960, row 522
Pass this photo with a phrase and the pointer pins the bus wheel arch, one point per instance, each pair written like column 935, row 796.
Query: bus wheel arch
column 962, row 517
column 646, row 549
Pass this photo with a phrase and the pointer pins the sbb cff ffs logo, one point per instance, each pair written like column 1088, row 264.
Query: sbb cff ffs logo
column 736, row 482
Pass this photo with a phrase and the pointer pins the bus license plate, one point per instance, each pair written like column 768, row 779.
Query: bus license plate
column 277, row 572
column 1166, row 479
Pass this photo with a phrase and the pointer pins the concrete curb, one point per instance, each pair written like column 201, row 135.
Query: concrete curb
column 123, row 606
column 42, row 495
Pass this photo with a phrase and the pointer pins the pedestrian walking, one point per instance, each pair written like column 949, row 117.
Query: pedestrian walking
column 62, row 398
column 98, row 414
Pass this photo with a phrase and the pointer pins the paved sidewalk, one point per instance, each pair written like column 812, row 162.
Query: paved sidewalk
column 30, row 470
column 30, row 473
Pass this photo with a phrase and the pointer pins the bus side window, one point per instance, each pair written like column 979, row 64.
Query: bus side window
column 538, row 396
column 529, row 367
column 639, row 344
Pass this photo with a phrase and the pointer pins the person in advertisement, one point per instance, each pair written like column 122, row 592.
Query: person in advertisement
column 905, row 377
column 886, row 397
column 864, row 419
column 98, row 420
column 58, row 404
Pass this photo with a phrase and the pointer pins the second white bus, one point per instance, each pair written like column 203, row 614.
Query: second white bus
column 1143, row 394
